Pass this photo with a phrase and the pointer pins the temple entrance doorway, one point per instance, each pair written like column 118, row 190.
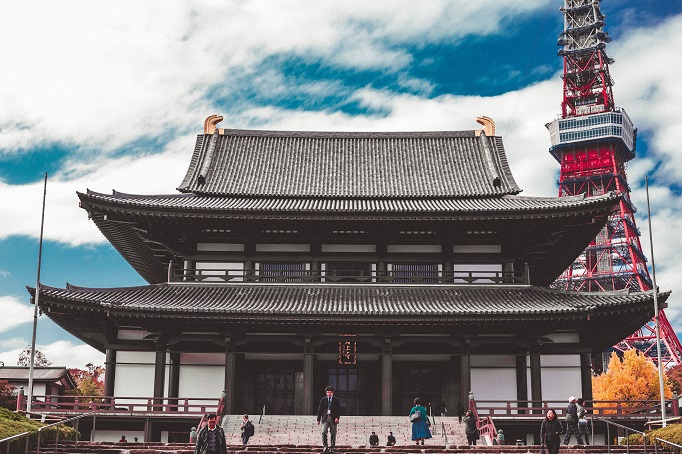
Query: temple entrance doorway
column 275, row 388
column 358, row 387
column 423, row 380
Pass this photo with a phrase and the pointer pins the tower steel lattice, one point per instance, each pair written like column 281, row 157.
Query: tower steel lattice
column 593, row 140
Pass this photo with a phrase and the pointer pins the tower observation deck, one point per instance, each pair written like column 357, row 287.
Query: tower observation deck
column 593, row 140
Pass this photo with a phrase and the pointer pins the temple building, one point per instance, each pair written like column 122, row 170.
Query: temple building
column 391, row 265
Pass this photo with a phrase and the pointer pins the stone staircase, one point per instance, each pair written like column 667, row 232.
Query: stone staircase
column 352, row 431
column 301, row 434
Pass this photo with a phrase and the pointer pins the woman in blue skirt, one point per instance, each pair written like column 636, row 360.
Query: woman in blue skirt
column 420, row 425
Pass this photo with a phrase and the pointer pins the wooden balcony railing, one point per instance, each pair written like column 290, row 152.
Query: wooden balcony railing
column 605, row 408
column 348, row 277
column 644, row 409
column 124, row 404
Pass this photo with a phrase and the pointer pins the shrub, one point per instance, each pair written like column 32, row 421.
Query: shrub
column 672, row 433
column 633, row 439
column 15, row 423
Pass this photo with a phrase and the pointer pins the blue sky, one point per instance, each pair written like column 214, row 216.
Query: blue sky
column 111, row 96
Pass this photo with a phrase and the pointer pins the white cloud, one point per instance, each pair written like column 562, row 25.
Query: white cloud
column 13, row 343
column 60, row 353
column 64, row 221
column 98, row 76
column 14, row 313
column 647, row 86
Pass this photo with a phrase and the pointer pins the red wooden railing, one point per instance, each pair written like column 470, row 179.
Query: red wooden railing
column 124, row 404
column 608, row 408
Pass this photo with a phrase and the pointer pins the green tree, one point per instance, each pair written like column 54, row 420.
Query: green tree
column 89, row 381
column 39, row 359
column 632, row 378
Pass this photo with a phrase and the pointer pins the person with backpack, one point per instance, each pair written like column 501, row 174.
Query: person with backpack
column 582, row 422
column 247, row 430
column 572, row 422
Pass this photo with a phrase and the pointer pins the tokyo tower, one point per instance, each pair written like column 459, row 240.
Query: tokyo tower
column 593, row 140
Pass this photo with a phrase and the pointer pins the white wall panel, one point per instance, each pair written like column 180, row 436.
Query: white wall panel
column 558, row 383
column 414, row 248
column 201, row 381
column 560, row 360
column 134, row 380
column 349, row 248
column 216, row 359
column 493, row 361
column 493, row 383
column 135, row 357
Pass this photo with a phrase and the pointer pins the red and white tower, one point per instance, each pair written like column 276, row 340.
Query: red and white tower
column 593, row 140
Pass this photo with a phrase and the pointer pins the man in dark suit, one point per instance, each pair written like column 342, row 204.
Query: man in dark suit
column 374, row 439
column 328, row 414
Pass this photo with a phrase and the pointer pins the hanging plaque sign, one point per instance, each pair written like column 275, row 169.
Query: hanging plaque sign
column 348, row 351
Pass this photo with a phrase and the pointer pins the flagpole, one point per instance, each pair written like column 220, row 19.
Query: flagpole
column 29, row 399
column 657, row 320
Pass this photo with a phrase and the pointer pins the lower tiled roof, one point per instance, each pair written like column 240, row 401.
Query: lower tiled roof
column 211, row 205
column 324, row 300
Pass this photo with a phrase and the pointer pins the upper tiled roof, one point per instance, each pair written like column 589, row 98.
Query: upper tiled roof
column 502, row 205
column 310, row 300
column 349, row 165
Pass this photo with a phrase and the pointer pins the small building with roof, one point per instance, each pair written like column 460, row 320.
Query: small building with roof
column 53, row 381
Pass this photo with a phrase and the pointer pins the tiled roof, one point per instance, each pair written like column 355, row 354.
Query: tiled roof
column 323, row 300
column 210, row 204
column 43, row 374
column 348, row 165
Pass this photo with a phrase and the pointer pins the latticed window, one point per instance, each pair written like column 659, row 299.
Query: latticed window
column 349, row 385
column 414, row 272
column 283, row 272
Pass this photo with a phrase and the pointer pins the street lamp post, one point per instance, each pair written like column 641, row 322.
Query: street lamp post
column 656, row 318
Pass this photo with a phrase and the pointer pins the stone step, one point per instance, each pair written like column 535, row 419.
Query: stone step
column 186, row 448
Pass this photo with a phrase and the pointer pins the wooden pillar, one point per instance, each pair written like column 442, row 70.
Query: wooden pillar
column 387, row 379
column 174, row 380
column 159, row 375
column 586, row 375
column 465, row 383
column 536, row 381
column 230, row 372
column 308, row 368
column 109, row 372
column 521, row 380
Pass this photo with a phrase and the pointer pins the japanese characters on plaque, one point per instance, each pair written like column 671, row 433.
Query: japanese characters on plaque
column 348, row 351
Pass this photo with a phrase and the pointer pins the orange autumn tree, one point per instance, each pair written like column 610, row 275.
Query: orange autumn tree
column 633, row 378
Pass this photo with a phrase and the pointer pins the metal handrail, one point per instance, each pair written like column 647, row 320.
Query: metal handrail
column 666, row 442
column 56, row 439
column 8, row 439
column 627, row 430
column 445, row 435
